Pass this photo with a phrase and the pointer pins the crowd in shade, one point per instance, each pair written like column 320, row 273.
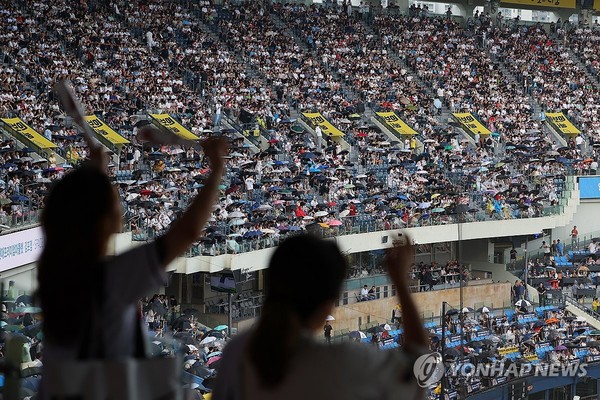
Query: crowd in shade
column 523, row 338
column 198, row 345
column 206, row 64
column 514, row 342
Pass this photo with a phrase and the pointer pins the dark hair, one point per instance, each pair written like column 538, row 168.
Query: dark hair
column 297, row 263
column 72, row 220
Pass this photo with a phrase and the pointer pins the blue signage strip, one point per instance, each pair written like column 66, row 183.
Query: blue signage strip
column 589, row 187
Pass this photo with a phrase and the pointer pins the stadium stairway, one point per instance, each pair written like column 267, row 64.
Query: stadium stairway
column 548, row 129
column 499, row 272
column 392, row 135
column 578, row 310
column 252, row 142
column 345, row 145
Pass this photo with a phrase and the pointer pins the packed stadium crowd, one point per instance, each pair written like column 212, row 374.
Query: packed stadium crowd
column 271, row 62
column 371, row 180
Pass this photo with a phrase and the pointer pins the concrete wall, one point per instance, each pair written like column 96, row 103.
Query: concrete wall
column 429, row 303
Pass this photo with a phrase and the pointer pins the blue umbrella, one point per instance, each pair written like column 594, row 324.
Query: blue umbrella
column 294, row 228
column 220, row 328
column 18, row 198
column 252, row 234
column 9, row 165
column 402, row 197
column 214, row 354
column 156, row 154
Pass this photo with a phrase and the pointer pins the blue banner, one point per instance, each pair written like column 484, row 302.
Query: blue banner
column 589, row 187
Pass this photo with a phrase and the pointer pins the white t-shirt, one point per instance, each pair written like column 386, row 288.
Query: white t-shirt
column 249, row 183
column 128, row 277
column 348, row 371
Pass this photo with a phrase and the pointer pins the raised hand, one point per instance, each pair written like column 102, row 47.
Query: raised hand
column 215, row 148
column 398, row 260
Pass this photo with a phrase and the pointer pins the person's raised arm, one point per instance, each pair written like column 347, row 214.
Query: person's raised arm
column 187, row 228
column 398, row 261
column 74, row 108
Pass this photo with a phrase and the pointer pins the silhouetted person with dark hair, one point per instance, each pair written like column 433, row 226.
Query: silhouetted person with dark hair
column 81, row 214
column 281, row 359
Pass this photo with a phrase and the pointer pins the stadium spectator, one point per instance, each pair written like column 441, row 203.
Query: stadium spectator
column 288, row 311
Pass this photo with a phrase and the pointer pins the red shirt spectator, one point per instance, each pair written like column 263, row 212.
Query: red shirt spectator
column 352, row 210
column 299, row 211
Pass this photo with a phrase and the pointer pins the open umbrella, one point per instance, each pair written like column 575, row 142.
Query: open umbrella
column 483, row 309
column 221, row 328
column 522, row 303
column 330, row 318
column 208, row 340
column 452, row 352
column 357, row 335
column 212, row 361
column 375, row 329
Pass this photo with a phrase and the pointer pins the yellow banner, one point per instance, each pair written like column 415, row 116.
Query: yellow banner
column 104, row 130
column 562, row 123
column 168, row 122
column 18, row 125
column 321, row 121
column 542, row 3
column 471, row 124
column 597, row 5
column 396, row 124
column 507, row 350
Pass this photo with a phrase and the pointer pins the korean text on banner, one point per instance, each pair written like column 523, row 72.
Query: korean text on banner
column 562, row 123
column 395, row 123
column 321, row 121
column 171, row 124
column 542, row 3
column 20, row 248
column 104, row 130
column 19, row 126
column 471, row 124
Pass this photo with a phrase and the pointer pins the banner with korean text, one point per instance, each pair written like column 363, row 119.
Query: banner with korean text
column 395, row 123
column 104, row 130
column 471, row 124
column 168, row 122
column 541, row 3
column 562, row 124
column 21, row 248
column 21, row 128
column 326, row 127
